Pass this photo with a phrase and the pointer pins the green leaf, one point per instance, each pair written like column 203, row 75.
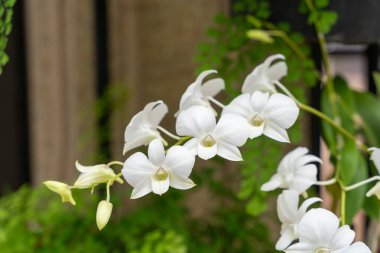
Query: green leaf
column 376, row 77
column 355, row 198
column 321, row 3
column 371, row 206
column 327, row 20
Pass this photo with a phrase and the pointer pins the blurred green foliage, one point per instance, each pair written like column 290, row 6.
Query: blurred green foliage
column 6, row 13
column 230, row 51
column 35, row 220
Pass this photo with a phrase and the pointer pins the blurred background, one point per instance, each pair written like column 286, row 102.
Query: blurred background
column 79, row 70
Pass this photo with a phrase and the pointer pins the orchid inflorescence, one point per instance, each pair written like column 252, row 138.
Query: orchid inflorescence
column 259, row 110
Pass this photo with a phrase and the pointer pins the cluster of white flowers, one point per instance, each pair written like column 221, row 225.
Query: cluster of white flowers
column 205, row 131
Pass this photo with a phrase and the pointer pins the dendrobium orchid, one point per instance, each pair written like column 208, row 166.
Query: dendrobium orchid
column 319, row 232
column 143, row 128
column 265, row 114
column 295, row 172
column 290, row 215
column 201, row 93
column 62, row 189
column 93, row 175
column 211, row 138
column 158, row 171
column 263, row 77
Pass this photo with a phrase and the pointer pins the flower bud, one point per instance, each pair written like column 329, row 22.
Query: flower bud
column 374, row 191
column 62, row 189
column 93, row 175
column 103, row 213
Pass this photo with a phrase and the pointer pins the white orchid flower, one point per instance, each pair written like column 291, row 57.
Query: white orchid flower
column 157, row 172
column 211, row 139
column 319, row 232
column 93, row 175
column 199, row 93
column 264, row 76
column 295, row 172
column 143, row 128
column 265, row 114
column 290, row 215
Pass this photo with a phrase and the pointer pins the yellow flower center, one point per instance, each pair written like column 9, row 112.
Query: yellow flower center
column 322, row 250
column 161, row 174
column 208, row 141
column 257, row 121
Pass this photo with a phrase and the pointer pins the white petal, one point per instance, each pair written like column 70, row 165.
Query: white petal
column 138, row 132
column 259, row 101
column 229, row 152
column 85, row 169
column 375, row 157
column 307, row 159
column 275, row 132
column 374, row 191
column 195, row 121
column 180, row 161
column 205, row 73
column 207, row 152
column 137, row 168
column 156, row 152
column 305, row 205
column 272, row 184
column 287, row 206
column 288, row 161
column 281, row 110
column 256, row 131
column 343, row 238
column 241, row 105
column 254, row 82
column 155, row 112
column 213, row 87
column 318, row 227
column 142, row 188
column 302, row 247
column 232, row 129
column 277, row 71
column 160, row 186
column 287, row 236
column 180, row 183
column 357, row 247
column 192, row 146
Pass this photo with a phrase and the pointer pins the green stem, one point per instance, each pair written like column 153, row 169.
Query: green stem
column 182, row 140
column 343, row 206
column 364, row 182
column 289, row 42
column 334, row 124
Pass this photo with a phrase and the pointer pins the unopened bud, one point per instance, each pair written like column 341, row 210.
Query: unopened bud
column 103, row 213
column 93, row 175
column 62, row 189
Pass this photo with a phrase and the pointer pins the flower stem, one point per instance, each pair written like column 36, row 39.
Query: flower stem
column 173, row 136
column 216, row 102
column 292, row 45
column 354, row 186
column 115, row 163
column 182, row 140
column 327, row 182
column 343, row 206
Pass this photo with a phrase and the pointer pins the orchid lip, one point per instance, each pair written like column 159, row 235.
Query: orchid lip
column 208, row 141
column 161, row 174
column 256, row 121
column 322, row 250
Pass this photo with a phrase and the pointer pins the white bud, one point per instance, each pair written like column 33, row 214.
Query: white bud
column 103, row 213
column 62, row 189
column 93, row 175
column 374, row 191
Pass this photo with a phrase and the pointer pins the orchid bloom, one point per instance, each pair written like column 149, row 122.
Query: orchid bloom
column 211, row 138
column 265, row 114
column 142, row 129
column 199, row 93
column 264, row 76
column 93, row 175
column 290, row 215
column 158, row 171
column 319, row 232
column 375, row 158
column 295, row 172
